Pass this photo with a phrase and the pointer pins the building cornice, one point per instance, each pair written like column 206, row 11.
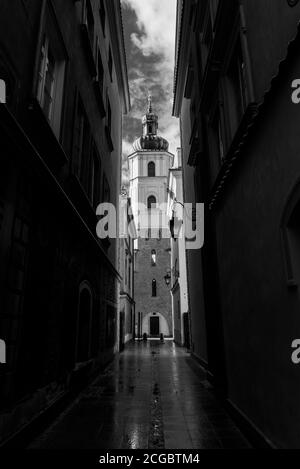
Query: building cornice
column 150, row 152
column 183, row 36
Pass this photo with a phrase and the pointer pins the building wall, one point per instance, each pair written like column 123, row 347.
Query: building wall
column 179, row 288
column 249, row 262
column 59, row 283
column 193, row 257
column 127, row 303
column 255, row 294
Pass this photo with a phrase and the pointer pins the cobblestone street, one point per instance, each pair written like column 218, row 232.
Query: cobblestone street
column 154, row 396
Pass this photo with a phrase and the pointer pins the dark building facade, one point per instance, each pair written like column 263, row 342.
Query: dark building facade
column 126, row 248
column 236, row 96
column 64, row 69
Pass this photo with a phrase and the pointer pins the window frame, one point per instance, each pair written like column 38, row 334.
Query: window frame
column 50, row 29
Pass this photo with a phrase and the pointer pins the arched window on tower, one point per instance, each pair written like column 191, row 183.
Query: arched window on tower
column 151, row 203
column 154, row 288
column 151, row 170
column 153, row 257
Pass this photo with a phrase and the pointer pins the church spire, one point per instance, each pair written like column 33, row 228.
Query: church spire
column 150, row 140
column 149, row 103
column 150, row 120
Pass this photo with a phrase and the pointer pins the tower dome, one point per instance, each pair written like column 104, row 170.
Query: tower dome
column 150, row 141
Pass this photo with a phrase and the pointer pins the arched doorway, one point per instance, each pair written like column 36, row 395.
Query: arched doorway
column 155, row 324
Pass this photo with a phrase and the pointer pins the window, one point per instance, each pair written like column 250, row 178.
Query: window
column 99, row 81
column 190, row 79
column 102, row 15
column 108, row 129
column 88, row 19
column 151, row 202
column 153, row 258
column 237, row 89
column 151, row 169
column 87, row 28
column 51, row 78
column 218, row 135
column 207, row 39
column 95, row 170
column 129, row 274
column 7, row 84
column 108, row 115
column 100, row 70
column 110, row 63
column 154, row 288
column 82, row 145
column 106, row 190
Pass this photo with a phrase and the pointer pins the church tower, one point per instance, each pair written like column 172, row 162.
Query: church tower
column 149, row 166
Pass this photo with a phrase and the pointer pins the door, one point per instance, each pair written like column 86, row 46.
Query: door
column 154, row 326
column 186, row 328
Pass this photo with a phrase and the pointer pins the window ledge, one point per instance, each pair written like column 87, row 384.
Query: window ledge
column 99, row 97
column 44, row 138
column 88, row 49
column 109, row 139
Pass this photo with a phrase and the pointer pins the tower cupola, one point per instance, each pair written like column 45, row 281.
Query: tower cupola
column 150, row 141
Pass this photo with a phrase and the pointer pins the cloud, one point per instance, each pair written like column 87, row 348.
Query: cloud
column 150, row 42
column 156, row 23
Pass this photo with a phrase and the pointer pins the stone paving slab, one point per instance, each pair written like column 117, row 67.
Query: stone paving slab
column 150, row 398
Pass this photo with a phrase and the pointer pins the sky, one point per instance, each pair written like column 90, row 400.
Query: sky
column 149, row 29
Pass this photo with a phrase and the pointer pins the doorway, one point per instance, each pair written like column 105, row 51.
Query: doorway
column 154, row 326
column 122, row 331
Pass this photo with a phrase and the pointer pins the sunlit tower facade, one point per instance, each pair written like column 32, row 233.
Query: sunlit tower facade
column 149, row 166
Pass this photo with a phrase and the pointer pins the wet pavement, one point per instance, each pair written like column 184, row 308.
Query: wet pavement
column 154, row 396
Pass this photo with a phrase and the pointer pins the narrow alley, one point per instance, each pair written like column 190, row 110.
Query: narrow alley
column 154, row 396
